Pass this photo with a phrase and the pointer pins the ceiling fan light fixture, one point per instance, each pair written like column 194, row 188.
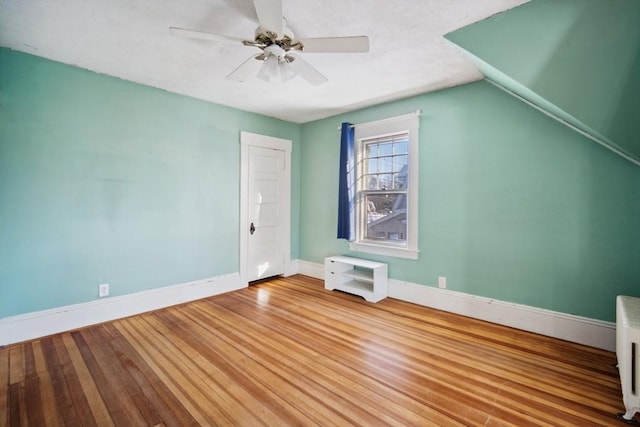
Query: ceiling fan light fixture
column 269, row 69
column 286, row 71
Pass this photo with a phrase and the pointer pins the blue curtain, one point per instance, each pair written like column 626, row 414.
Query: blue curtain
column 346, row 189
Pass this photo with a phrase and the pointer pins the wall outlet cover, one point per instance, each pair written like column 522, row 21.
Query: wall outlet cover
column 442, row 282
column 103, row 290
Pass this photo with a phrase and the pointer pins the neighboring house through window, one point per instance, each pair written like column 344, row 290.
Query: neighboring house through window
column 387, row 187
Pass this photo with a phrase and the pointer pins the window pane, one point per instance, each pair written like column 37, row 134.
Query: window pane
column 386, row 217
column 385, row 181
column 399, row 181
column 372, row 182
column 372, row 150
column 372, row 166
column 385, row 149
column 386, row 164
column 401, row 147
column 400, row 163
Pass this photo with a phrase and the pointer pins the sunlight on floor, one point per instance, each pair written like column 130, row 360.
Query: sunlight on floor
column 263, row 296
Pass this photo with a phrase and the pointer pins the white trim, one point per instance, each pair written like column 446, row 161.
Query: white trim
column 568, row 327
column 399, row 252
column 375, row 122
column 264, row 141
column 252, row 139
column 311, row 269
column 46, row 322
column 409, row 123
column 292, row 268
column 583, row 330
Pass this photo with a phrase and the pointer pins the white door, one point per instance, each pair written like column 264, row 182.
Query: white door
column 265, row 257
column 265, row 206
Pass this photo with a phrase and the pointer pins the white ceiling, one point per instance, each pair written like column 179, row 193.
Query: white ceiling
column 130, row 40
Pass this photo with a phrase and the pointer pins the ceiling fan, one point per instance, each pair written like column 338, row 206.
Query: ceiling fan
column 277, row 44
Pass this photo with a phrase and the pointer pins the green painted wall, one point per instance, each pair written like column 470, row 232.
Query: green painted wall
column 513, row 205
column 103, row 180
column 106, row 181
column 580, row 56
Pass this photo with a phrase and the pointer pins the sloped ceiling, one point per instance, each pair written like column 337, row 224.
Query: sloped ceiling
column 131, row 40
column 578, row 60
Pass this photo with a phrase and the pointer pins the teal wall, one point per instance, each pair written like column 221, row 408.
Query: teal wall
column 106, row 181
column 579, row 58
column 513, row 205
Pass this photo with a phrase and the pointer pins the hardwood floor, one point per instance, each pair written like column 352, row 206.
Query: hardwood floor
column 287, row 352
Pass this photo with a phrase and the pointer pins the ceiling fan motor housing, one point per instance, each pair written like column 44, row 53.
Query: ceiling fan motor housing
column 265, row 38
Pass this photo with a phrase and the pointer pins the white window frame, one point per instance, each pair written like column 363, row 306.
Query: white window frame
column 404, row 124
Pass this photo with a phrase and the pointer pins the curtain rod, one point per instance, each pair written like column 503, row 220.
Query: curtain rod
column 415, row 113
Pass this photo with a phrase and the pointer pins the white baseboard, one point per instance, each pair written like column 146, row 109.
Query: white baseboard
column 46, row 322
column 311, row 269
column 568, row 327
column 291, row 267
column 582, row 330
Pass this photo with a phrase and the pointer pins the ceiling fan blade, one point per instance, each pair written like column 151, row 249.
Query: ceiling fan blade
column 247, row 68
column 306, row 70
column 336, row 44
column 201, row 35
column 270, row 15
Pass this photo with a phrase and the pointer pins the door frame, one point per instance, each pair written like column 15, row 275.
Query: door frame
column 248, row 139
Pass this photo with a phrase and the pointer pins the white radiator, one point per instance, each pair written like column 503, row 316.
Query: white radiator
column 628, row 352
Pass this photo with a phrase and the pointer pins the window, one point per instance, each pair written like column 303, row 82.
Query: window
column 387, row 187
column 384, row 186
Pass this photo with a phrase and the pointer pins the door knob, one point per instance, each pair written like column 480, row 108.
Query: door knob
column 252, row 229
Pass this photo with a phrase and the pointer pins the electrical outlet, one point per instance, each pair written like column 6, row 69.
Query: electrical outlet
column 442, row 282
column 103, row 290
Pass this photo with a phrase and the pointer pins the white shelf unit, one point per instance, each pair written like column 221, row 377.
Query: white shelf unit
column 362, row 277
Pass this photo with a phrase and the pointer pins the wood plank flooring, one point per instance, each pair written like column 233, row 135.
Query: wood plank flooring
column 287, row 352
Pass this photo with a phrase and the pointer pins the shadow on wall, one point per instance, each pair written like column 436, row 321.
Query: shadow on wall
column 594, row 70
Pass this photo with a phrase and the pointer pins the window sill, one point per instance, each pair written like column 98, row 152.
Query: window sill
column 398, row 252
